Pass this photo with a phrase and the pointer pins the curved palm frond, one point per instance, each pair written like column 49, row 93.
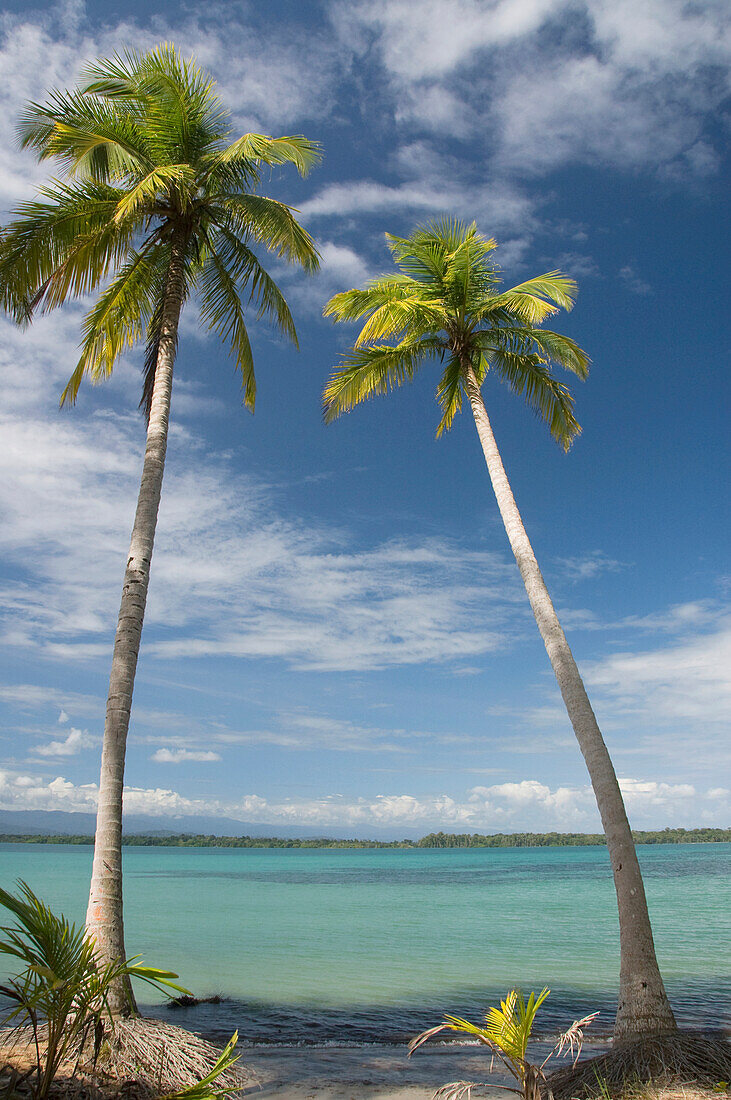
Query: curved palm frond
column 268, row 222
column 221, row 307
column 562, row 350
column 119, row 317
column 538, row 298
column 449, row 394
column 368, row 372
column 241, row 161
column 529, row 376
column 63, row 246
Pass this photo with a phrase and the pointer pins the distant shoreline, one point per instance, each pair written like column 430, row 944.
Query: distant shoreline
column 433, row 840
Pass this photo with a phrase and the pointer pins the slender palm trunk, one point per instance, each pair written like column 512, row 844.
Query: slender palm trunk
column 104, row 915
column 643, row 1008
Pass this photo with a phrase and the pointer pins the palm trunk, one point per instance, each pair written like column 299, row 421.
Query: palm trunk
column 104, row 915
column 643, row 1008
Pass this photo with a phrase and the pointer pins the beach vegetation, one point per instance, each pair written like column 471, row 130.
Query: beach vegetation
column 445, row 305
column 156, row 203
column 507, row 1031
column 60, row 997
column 432, row 840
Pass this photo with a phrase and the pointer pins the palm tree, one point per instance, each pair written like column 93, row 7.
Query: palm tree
column 156, row 204
column 445, row 304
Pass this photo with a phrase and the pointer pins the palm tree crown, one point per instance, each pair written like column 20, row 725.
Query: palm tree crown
column 445, row 303
column 150, row 171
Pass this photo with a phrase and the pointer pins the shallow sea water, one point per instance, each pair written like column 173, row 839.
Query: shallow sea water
column 355, row 946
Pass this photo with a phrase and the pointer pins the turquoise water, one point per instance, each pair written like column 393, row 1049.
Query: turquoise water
column 321, row 945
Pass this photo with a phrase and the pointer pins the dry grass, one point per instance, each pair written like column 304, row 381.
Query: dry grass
column 141, row 1060
column 166, row 1058
column 672, row 1063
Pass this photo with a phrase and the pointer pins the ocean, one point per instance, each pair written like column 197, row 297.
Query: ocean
column 363, row 946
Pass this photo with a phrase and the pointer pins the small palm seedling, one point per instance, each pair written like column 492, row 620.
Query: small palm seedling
column 507, row 1032
column 62, row 991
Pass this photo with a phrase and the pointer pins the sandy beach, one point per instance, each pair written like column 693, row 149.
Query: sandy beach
column 362, row 1073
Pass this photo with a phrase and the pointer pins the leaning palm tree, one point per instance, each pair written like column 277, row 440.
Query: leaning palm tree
column 445, row 304
column 157, row 203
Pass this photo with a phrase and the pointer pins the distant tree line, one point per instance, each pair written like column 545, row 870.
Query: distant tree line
column 433, row 840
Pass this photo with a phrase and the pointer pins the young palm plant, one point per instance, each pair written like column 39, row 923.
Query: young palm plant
column 62, row 992
column 445, row 303
column 506, row 1031
column 157, row 204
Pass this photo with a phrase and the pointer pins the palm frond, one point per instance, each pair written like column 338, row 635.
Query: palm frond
column 367, row 372
column 249, row 152
column 538, row 298
column 120, row 316
column 61, row 248
column 221, row 307
column 268, row 222
column 141, row 198
column 529, row 376
column 449, row 394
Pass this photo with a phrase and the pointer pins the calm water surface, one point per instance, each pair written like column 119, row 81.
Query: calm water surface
column 364, row 945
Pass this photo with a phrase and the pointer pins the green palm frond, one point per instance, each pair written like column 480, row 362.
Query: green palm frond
column 245, row 156
column 562, row 350
column 368, row 372
column 445, row 295
column 221, row 307
column 119, row 318
column 529, row 376
column 142, row 198
column 62, row 246
column 145, row 146
column 449, row 394
column 245, row 268
column 352, row 305
column 538, row 298
column 268, row 222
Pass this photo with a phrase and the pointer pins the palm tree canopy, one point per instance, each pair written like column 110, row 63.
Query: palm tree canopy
column 445, row 303
column 145, row 144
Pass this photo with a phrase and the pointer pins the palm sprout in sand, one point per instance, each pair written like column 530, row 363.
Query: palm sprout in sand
column 445, row 304
column 156, row 203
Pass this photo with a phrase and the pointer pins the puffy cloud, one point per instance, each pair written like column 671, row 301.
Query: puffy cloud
column 70, row 746
column 513, row 806
column 181, row 756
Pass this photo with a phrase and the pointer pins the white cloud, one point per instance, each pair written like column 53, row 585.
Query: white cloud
column 552, row 83
column 633, row 281
column 70, row 746
column 435, row 37
column 689, row 682
column 516, row 806
column 63, row 718
column 181, row 756
column 272, row 586
column 588, row 566
column 500, row 205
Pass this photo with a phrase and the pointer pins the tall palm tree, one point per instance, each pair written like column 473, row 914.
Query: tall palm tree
column 157, row 203
column 445, row 304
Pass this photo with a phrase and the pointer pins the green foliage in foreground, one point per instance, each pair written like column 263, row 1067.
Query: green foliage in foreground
column 62, row 989
column 506, row 1031
column 433, row 840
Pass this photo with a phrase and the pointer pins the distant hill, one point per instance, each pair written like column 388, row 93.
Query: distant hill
column 221, row 832
column 61, row 823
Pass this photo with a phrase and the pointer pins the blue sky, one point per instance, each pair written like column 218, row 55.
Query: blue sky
column 336, row 633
